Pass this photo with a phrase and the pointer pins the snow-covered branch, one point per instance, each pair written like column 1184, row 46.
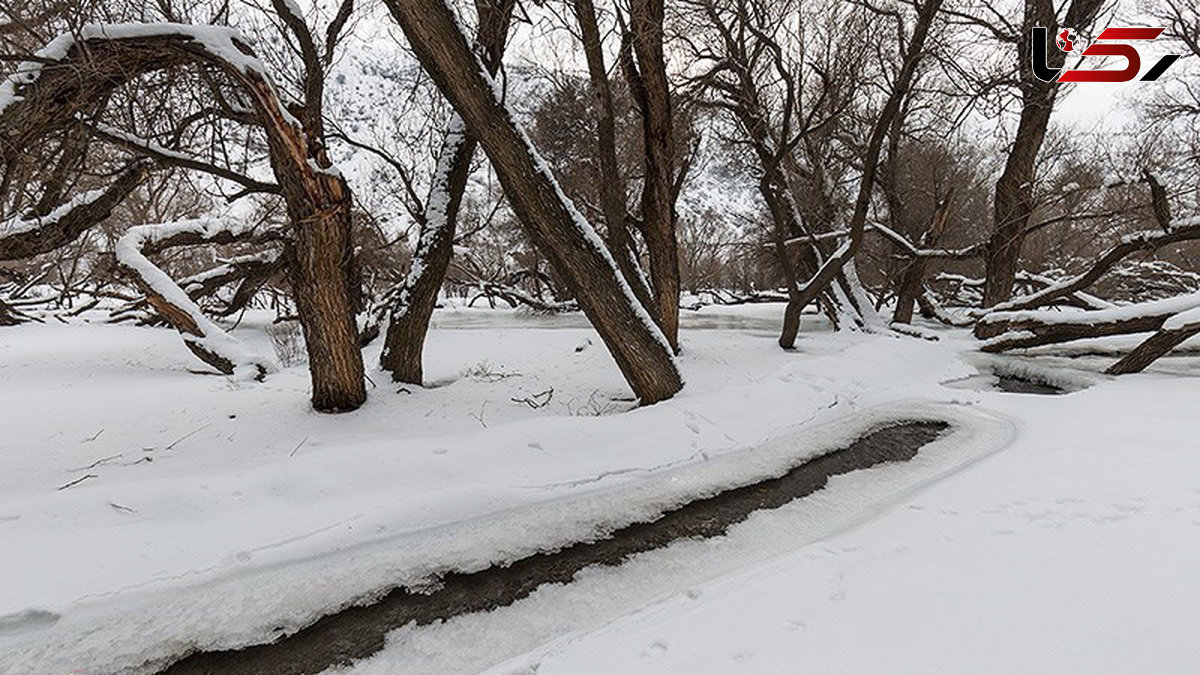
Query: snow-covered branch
column 202, row 336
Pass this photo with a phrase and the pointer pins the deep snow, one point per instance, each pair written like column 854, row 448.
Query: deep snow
column 1046, row 534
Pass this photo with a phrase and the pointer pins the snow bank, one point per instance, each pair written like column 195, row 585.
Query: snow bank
column 217, row 514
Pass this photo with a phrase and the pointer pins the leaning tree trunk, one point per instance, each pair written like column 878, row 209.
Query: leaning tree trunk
column 658, row 194
column 1173, row 334
column 549, row 218
column 412, row 309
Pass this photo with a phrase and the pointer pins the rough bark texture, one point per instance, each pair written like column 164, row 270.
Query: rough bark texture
column 1014, row 200
column 549, row 219
column 658, row 194
column 612, row 183
column 404, row 344
column 1154, row 348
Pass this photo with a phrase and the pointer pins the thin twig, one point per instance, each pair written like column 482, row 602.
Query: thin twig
column 77, row 481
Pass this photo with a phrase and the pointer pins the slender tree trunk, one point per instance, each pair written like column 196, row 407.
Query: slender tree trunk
column 549, row 218
column 612, row 183
column 658, row 195
column 911, row 282
column 404, row 344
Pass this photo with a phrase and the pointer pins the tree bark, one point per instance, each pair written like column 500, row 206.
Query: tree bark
column 549, row 218
column 658, row 194
column 404, row 344
column 612, row 183
column 1154, row 348
column 1014, row 203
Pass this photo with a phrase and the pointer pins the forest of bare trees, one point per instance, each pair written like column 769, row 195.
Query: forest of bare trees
column 880, row 164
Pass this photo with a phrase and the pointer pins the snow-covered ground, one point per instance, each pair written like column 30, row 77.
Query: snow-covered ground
column 145, row 509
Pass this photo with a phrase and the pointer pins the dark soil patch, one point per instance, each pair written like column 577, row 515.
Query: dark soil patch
column 358, row 632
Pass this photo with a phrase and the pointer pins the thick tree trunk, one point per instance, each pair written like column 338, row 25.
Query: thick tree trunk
column 612, row 183
column 658, row 193
column 324, row 288
column 321, row 257
column 1014, row 202
column 549, row 218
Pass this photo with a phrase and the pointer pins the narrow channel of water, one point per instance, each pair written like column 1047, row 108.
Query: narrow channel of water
column 358, row 632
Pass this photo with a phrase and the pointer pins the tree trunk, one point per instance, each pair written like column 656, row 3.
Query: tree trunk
column 404, row 344
column 549, row 218
column 612, row 183
column 658, row 194
column 1014, row 203
column 321, row 257
column 1154, row 348
column 912, row 280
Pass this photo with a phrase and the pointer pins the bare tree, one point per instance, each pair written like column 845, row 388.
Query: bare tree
column 1014, row 200
column 89, row 66
column 551, row 221
column 413, row 304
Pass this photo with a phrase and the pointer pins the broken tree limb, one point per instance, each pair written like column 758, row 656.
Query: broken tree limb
column 203, row 337
column 1031, row 328
column 1175, row 331
column 25, row 237
column 1148, row 241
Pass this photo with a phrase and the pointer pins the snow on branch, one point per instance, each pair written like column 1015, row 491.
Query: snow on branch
column 83, row 68
column 202, row 336
column 1129, row 244
column 1033, row 328
column 26, row 236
